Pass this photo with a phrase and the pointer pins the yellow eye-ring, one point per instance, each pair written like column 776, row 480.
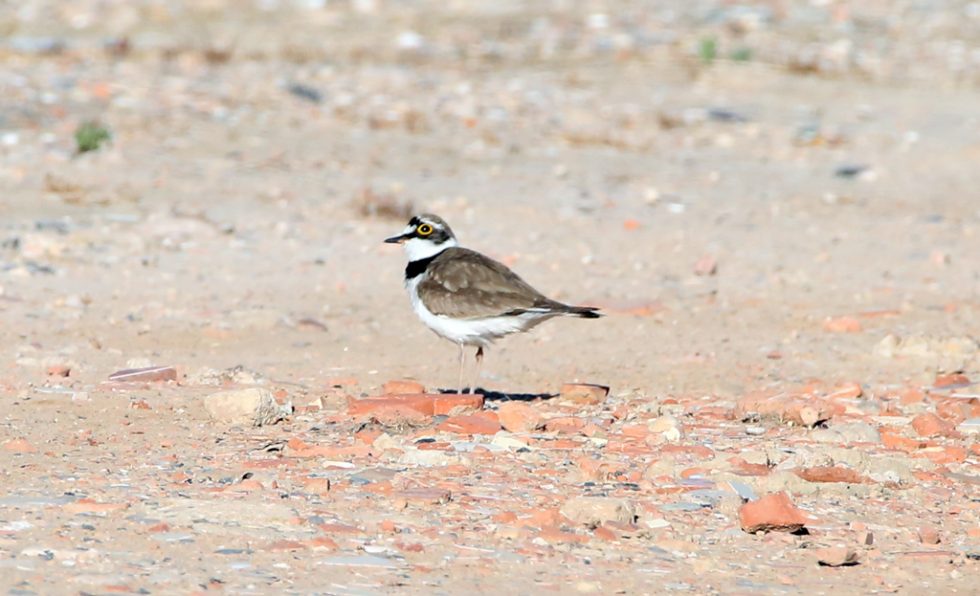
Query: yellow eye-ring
column 424, row 230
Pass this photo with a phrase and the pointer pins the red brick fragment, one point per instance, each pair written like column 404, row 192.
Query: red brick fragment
column 945, row 455
column 322, row 543
column 471, row 424
column 584, row 393
column 842, row 325
column 504, row 517
column 744, row 468
column 849, row 390
column 19, row 445
column 401, row 416
column 773, row 512
column 553, row 535
column 893, row 440
column 957, row 410
column 429, row 404
column 831, row 474
column 518, row 417
column 911, row 396
column 950, row 381
column 930, row 425
column 565, row 425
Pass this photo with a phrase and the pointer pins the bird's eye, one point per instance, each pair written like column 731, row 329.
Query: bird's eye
column 424, row 230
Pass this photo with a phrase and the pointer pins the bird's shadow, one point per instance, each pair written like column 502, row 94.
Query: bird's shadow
column 502, row 396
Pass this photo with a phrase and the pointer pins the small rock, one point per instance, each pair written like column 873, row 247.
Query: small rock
column 585, row 393
column 305, row 92
column 508, row 441
column 929, row 535
column 842, row 325
column 773, row 512
column 943, row 354
column 519, row 417
column 665, row 428
column 744, row 491
column 969, row 427
column 254, row 406
column 706, row 266
column 851, row 170
column 20, row 445
column 59, row 370
column 424, row 496
column 596, row 511
column 805, row 411
column 852, row 432
column 149, row 374
column 836, row 556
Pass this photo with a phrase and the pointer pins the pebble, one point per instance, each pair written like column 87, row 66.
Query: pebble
column 665, row 428
column 149, row 374
column 595, row 511
column 744, row 491
column 928, row 535
column 852, row 432
column 19, row 445
column 253, row 406
column 360, row 561
column 969, row 427
column 836, row 556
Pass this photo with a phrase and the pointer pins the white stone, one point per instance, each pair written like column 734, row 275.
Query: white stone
column 253, row 406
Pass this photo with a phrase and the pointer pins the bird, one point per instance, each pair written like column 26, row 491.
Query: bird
column 465, row 296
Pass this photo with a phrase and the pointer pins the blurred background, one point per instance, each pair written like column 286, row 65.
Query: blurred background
column 758, row 191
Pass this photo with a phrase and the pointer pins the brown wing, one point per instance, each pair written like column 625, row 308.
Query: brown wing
column 464, row 284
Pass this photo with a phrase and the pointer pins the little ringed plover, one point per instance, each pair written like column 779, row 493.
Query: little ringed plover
column 466, row 297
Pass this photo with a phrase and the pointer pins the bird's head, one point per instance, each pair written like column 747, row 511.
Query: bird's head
column 426, row 235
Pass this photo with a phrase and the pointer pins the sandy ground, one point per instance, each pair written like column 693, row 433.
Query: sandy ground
column 784, row 239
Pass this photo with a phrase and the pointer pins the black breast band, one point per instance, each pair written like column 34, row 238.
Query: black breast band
column 417, row 268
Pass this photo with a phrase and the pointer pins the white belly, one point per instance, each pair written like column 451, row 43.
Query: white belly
column 473, row 332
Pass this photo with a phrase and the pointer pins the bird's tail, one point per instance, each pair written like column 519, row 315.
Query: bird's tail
column 586, row 312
